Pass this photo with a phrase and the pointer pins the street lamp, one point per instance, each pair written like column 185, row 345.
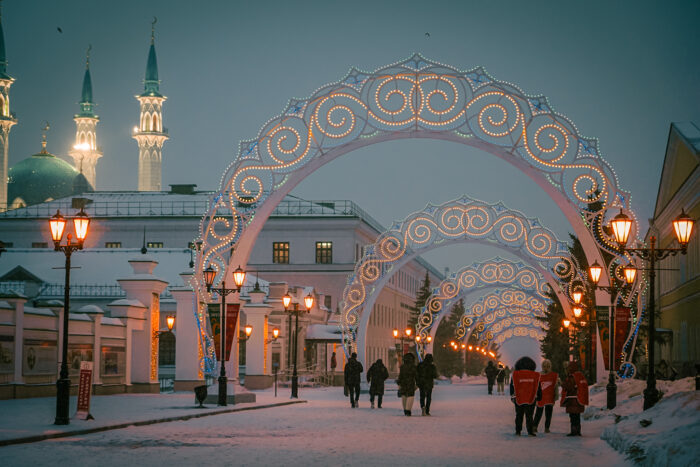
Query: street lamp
column 238, row 279
column 170, row 323
column 400, row 340
column 57, row 224
column 308, row 303
column 683, row 228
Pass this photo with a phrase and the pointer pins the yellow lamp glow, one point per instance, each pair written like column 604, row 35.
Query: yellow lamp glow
column 577, row 311
column 566, row 323
column 396, row 333
column 595, row 270
column 464, row 346
column 239, row 277
column 630, row 273
column 621, row 226
column 418, row 339
column 81, row 222
column 470, row 348
column 209, row 274
column 408, row 332
column 170, row 322
column 286, row 301
column 275, row 333
column 57, row 224
column 452, row 343
column 429, row 339
column 578, row 295
column 309, row 302
column 683, row 226
column 248, row 330
column 492, row 354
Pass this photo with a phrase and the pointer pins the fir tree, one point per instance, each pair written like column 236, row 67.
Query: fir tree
column 422, row 295
column 448, row 361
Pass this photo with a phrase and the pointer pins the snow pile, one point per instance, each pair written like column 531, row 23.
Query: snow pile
column 666, row 434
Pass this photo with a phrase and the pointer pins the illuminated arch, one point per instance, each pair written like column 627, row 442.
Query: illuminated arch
column 414, row 98
column 491, row 273
column 516, row 331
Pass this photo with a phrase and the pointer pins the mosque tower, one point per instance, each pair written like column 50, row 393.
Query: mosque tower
column 150, row 134
column 7, row 119
column 85, row 151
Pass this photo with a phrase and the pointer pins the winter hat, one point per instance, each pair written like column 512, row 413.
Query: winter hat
column 525, row 363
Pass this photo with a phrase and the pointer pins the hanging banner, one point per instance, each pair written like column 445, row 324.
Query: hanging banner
column 214, row 312
column 231, row 320
column 84, row 391
column 622, row 324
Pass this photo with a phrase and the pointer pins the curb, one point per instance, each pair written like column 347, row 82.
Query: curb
column 65, row 434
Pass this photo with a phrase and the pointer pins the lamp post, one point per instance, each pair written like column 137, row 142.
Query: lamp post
column 238, row 279
column 630, row 273
column 308, row 303
column 400, row 340
column 683, row 228
column 170, row 323
column 57, row 224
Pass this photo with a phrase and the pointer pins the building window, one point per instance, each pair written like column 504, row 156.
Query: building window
column 40, row 245
column 113, row 244
column 328, row 302
column 166, row 349
column 154, row 245
column 280, row 252
column 6, row 245
column 324, row 252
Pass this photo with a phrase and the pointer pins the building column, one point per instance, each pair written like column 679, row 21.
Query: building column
column 18, row 304
column 96, row 315
column 132, row 313
column 258, row 357
column 188, row 372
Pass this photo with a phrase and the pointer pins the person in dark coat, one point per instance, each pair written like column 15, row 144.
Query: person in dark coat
column 376, row 375
column 426, row 372
column 574, row 396
column 334, row 363
column 491, row 372
column 353, row 373
column 501, row 380
column 407, row 383
column 524, row 392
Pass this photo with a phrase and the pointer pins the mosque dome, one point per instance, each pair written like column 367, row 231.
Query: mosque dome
column 43, row 177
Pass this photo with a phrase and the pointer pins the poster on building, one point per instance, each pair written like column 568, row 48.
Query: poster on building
column 84, row 392
column 78, row 353
column 7, row 354
column 39, row 358
column 622, row 327
column 113, row 361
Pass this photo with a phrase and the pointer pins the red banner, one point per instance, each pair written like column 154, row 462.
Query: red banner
column 84, row 391
column 622, row 328
column 231, row 319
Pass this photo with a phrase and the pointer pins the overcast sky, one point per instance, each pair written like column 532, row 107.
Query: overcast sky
column 621, row 71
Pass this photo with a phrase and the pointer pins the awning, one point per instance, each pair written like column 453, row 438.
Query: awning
column 324, row 333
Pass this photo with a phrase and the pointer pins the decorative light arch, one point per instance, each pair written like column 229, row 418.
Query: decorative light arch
column 413, row 98
column 491, row 273
column 516, row 331
column 458, row 221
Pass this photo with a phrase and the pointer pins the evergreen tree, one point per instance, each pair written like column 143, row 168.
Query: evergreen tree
column 422, row 295
column 555, row 344
column 448, row 361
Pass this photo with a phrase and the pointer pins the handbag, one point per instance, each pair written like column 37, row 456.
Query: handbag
column 345, row 390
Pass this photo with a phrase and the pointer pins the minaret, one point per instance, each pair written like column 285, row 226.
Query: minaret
column 85, row 151
column 150, row 134
column 7, row 119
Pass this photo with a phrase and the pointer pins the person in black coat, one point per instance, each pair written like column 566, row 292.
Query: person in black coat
column 376, row 375
column 353, row 373
column 491, row 372
column 407, row 383
column 426, row 372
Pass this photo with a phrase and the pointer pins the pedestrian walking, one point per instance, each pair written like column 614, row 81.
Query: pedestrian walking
column 407, row 383
column 352, row 373
column 376, row 375
column 548, row 386
column 574, row 396
column 334, row 362
column 501, row 379
column 426, row 372
column 491, row 372
column 524, row 391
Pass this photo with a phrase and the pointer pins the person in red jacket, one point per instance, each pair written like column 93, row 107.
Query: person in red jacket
column 524, row 391
column 574, row 396
column 548, row 385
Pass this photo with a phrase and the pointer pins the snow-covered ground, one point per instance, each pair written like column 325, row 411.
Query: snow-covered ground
column 468, row 427
column 666, row 434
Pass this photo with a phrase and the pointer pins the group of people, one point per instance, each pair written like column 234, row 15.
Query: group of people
column 411, row 377
column 528, row 389
column 496, row 375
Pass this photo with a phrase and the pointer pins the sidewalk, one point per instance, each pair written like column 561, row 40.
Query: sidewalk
column 30, row 420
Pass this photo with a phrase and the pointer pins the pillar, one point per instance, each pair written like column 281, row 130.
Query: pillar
column 188, row 373
column 258, row 357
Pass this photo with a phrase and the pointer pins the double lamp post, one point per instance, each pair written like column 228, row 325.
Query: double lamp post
column 308, row 303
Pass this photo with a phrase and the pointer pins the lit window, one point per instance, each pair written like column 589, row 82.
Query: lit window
column 154, row 245
column 113, row 244
column 280, row 252
column 40, row 245
column 324, row 252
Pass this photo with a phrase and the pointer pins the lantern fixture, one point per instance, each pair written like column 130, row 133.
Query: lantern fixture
column 577, row 311
column 577, row 295
column 81, row 222
column 239, row 277
column 567, row 323
column 621, row 226
column 630, row 273
column 286, row 301
column 309, row 302
column 683, row 227
column 594, row 271
column 170, row 322
column 396, row 333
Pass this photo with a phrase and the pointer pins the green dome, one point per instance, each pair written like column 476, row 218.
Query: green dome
column 39, row 178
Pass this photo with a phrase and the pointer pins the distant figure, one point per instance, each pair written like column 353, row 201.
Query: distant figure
column 574, row 396
column 491, row 372
column 376, row 375
column 524, row 391
column 407, row 383
column 426, row 372
column 501, row 379
column 548, row 385
column 352, row 373
column 334, row 363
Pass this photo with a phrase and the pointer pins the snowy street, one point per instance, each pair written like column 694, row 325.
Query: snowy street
column 467, row 427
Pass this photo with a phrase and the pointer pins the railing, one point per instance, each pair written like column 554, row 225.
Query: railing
column 314, row 374
column 97, row 209
column 12, row 286
column 77, row 290
column 167, row 383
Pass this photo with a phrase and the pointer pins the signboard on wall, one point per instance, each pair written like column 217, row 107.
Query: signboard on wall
column 84, row 391
column 39, row 358
column 7, row 354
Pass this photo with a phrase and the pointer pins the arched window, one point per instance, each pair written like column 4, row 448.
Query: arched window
column 2, row 106
column 155, row 122
column 82, row 138
column 166, row 349
column 91, row 141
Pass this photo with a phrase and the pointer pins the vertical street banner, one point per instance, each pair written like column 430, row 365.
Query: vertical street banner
column 214, row 312
column 622, row 328
column 602, row 313
column 231, row 320
column 84, row 391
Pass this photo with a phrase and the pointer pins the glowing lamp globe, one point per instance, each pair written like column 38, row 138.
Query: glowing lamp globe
column 595, row 270
column 309, row 302
column 170, row 322
column 81, row 222
column 683, row 226
column 286, row 301
column 621, row 226
column 248, row 330
column 630, row 273
column 408, row 332
column 57, row 224
column 275, row 333
column 578, row 295
column 470, row 348
column 566, row 323
column 209, row 275
column 429, row 339
column 577, row 311
column 418, row 339
column 396, row 333
column 239, row 277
